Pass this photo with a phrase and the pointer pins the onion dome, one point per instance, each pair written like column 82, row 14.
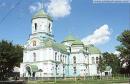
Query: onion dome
column 41, row 14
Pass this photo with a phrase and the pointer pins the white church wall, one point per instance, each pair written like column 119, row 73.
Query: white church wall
column 76, row 48
column 42, row 25
column 93, row 64
column 93, row 70
column 80, row 58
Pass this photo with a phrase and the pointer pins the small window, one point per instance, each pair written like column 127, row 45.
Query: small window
column 34, row 43
column 61, row 58
column 55, row 56
column 34, row 57
column 49, row 27
column 74, row 68
column 97, row 60
column 74, row 59
column 35, row 26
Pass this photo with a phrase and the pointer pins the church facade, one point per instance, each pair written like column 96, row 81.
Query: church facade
column 44, row 57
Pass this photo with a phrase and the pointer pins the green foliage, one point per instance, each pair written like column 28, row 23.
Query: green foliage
column 10, row 56
column 101, row 65
column 113, row 61
column 124, row 47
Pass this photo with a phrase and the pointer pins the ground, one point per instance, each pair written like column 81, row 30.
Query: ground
column 88, row 81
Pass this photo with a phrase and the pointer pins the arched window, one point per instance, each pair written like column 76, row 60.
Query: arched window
column 65, row 59
column 35, row 26
column 55, row 56
column 34, row 57
column 34, row 43
column 74, row 59
column 74, row 67
column 97, row 60
column 93, row 60
column 49, row 27
column 61, row 58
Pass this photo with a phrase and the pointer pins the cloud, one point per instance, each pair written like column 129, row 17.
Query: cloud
column 99, row 36
column 59, row 8
column 35, row 7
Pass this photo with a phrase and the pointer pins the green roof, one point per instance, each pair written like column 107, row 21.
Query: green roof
column 108, row 68
column 48, row 43
column 32, row 68
column 41, row 14
column 57, row 46
column 77, row 42
column 73, row 39
column 60, row 47
column 93, row 50
column 70, row 38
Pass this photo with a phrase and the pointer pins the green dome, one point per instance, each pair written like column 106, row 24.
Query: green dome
column 70, row 38
column 41, row 14
column 73, row 40
column 93, row 50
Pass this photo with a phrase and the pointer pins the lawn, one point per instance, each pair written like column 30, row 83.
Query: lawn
column 104, row 81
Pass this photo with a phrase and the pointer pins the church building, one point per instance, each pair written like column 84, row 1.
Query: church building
column 44, row 57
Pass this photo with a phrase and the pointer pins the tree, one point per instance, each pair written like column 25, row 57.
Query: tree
column 10, row 56
column 101, row 65
column 113, row 61
column 124, row 48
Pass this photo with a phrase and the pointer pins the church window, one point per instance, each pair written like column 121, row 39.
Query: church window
column 49, row 27
column 74, row 70
column 34, row 43
column 55, row 56
column 35, row 26
column 93, row 60
column 97, row 60
column 61, row 58
column 34, row 57
column 65, row 59
column 74, row 59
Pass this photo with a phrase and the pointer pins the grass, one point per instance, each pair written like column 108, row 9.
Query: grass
column 91, row 81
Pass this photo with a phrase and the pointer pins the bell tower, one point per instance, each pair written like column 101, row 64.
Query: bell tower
column 42, row 23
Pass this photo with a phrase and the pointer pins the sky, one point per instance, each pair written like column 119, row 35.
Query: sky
column 93, row 23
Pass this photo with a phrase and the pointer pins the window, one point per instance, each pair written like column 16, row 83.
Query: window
column 49, row 27
column 74, row 59
column 74, row 70
column 35, row 26
column 34, row 57
column 55, row 56
column 34, row 43
column 61, row 58
column 93, row 60
column 97, row 61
